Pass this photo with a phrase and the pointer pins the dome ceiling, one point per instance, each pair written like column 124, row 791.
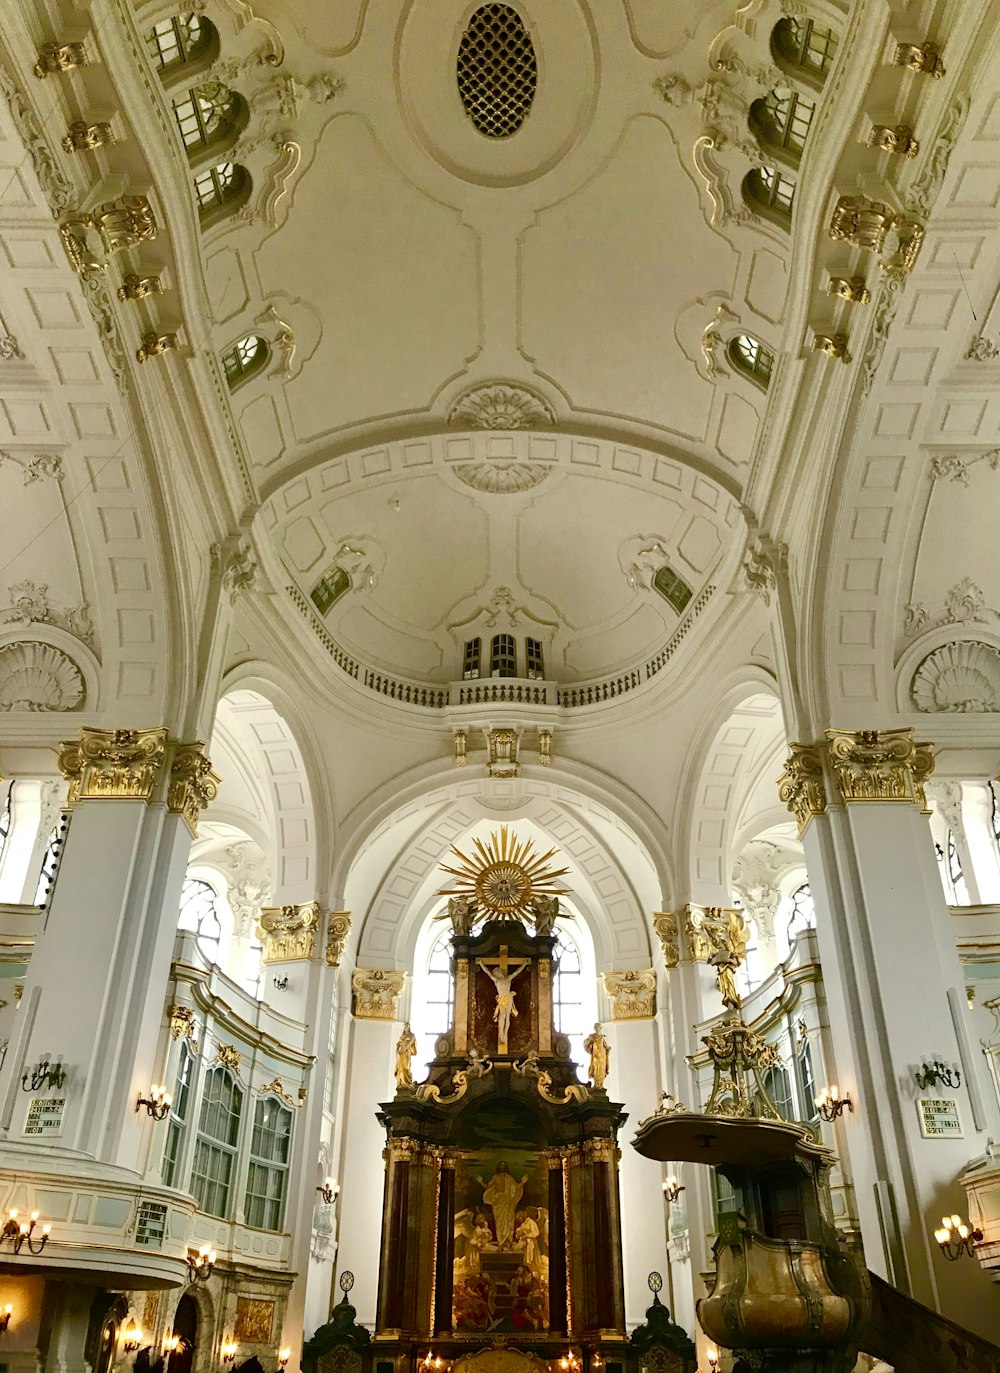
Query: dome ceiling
column 440, row 541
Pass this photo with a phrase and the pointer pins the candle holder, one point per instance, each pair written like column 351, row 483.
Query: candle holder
column 22, row 1232
column 831, row 1104
column 956, row 1238
column 157, row 1104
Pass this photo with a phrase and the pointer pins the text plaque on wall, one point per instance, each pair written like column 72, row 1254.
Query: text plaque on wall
column 939, row 1118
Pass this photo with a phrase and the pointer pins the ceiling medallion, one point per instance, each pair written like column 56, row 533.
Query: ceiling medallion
column 504, row 876
column 501, row 476
column 499, row 406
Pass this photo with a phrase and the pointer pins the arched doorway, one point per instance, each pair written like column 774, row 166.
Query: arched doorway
column 186, row 1329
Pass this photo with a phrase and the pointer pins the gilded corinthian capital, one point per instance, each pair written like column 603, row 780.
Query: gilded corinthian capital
column 337, row 930
column 880, row 765
column 193, row 784
column 288, row 932
column 801, row 785
column 113, row 764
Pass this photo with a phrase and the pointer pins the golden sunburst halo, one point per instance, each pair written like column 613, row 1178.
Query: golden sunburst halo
column 504, row 875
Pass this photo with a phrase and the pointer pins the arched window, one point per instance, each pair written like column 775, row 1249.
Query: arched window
column 781, row 121
column 503, row 656
column 778, row 1086
column 247, row 356
column 574, row 987
column 180, row 1114
column 952, row 875
column 674, row 590
column 181, row 41
column 806, row 1082
column 199, row 915
column 471, row 658
column 750, row 974
column 749, row 356
column 215, row 1147
column 803, row 915
column 220, row 190
column 768, row 192
column 50, row 862
column 804, row 48
column 5, row 817
column 333, row 584
column 267, row 1178
column 534, row 661
column 209, row 115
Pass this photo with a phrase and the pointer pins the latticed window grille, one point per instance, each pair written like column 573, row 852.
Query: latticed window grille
column 174, row 42
column 503, row 656
column 534, row 661
column 471, row 658
column 803, row 915
column 179, row 1112
column 248, row 355
column 673, row 588
column 215, row 1146
column 200, row 916
column 784, row 119
column 217, row 185
column 205, row 113
column 749, row 356
column 806, row 44
column 497, row 71
column 267, row 1178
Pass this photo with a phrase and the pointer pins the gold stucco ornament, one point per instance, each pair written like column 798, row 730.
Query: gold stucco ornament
column 504, row 876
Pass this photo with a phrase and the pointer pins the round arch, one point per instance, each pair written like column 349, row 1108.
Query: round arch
column 275, row 791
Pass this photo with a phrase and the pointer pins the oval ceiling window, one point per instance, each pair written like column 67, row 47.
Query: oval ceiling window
column 497, row 71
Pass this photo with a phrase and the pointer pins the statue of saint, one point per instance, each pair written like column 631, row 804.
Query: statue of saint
column 501, row 1194
column 406, row 1047
column 545, row 909
column 461, row 913
column 729, row 950
column 600, row 1057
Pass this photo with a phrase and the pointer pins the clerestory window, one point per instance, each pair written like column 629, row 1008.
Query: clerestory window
column 804, row 47
column 769, row 192
column 267, row 1178
column 215, row 1147
column 749, row 356
column 181, row 41
column 781, row 121
column 247, row 356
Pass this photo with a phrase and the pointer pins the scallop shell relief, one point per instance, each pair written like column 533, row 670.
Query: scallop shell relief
column 38, row 677
column 958, row 678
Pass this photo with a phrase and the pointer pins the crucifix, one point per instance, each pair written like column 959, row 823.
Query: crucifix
column 506, row 970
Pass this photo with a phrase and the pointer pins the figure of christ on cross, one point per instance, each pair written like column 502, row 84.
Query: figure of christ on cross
column 506, row 969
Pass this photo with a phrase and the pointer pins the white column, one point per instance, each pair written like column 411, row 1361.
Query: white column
column 94, row 989
column 369, row 1082
column 896, row 994
column 634, row 1082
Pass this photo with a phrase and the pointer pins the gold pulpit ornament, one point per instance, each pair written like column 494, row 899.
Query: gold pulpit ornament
column 504, row 876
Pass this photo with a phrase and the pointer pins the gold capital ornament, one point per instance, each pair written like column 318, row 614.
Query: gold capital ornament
column 801, row 785
column 880, row 765
column 193, row 784
column 288, row 933
column 113, row 764
column 337, row 930
column 665, row 929
column 376, row 993
column 632, row 994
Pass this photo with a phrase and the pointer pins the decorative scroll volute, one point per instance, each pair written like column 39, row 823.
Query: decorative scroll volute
column 113, row 764
column 632, row 994
column 337, row 931
column 665, row 929
column 288, row 933
column 880, row 765
column 801, row 786
column 193, row 784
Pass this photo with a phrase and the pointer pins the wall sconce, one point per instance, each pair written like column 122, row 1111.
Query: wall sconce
column 671, row 1189
column 280, row 984
column 200, row 1265
column 171, row 1342
column 570, row 1362
column 712, row 1355
column 228, row 1350
column 157, row 1104
column 21, row 1232
column 43, row 1074
column 131, row 1338
column 283, row 1356
column 5, row 1316
column 933, row 1073
column 330, row 1191
column 830, row 1103
column 956, row 1238
column 431, row 1363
